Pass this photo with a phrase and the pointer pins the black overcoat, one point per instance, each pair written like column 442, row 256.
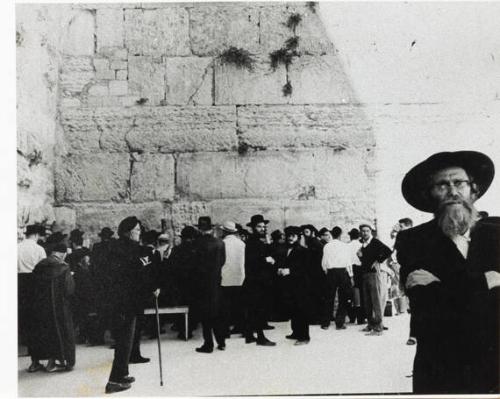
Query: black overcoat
column 457, row 318
column 210, row 256
column 52, row 333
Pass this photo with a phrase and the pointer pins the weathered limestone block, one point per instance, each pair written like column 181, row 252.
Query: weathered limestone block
column 92, row 177
column 187, row 213
column 240, row 211
column 315, row 212
column 76, row 73
column 181, row 129
column 318, row 174
column 262, row 85
column 80, row 131
column 319, row 79
column 216, row 28
column 91, row 218
column 79, row 38
column 146, row 77
column 65, row 218
column 101, row 64
column 114, row 123
column 313, row 38
column 348, row 212
column 157, row 32
column 152, row 178
column 118, row 88
column 275, row 127
column 100, row 90
column 109, row 28
column 189, row 80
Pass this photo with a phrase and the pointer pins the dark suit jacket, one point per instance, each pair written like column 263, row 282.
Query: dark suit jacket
column 210, row 256
column 456, row 318
column 301, row 276
column 377, row 251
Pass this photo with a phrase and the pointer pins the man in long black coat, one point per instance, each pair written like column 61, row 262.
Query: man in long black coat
column 296, row 264
column 450, row 269
column 210, row 257
column 52, row 334
column 259, row 271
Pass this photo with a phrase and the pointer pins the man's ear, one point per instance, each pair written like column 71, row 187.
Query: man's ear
column 474, row 190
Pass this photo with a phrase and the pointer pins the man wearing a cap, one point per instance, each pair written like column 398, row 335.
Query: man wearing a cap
column 233, row 275
column 259, row 271
column 29, row 253
column 450, row 269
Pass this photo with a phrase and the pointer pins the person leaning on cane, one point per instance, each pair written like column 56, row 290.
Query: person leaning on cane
column 126, row 266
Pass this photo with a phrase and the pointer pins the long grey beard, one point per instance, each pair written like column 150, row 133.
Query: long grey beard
column 456, row 218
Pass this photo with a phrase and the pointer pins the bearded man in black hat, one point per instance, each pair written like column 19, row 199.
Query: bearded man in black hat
column 450, row 269
column 259, row 271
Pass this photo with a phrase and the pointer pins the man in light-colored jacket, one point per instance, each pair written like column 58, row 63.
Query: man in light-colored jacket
column 233, row 274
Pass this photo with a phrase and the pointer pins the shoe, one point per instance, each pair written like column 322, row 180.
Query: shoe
column 268, row 327
column 265, row 342
column 221, row 347
column 340, row 327
column 127, row 380
column 385, row 328
column 204, row 349
column 53, row 366
column 301, row 342
column 139, row 359
column 112, row 387
column 374, row 333
column 367, row 329
column 249, row 340
column 291, row 336
column 183, row 337
column 325, row 327
column 34, row 367
column 235, row 331
column 411, row 341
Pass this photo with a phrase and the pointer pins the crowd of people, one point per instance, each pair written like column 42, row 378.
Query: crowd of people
column 236, row 280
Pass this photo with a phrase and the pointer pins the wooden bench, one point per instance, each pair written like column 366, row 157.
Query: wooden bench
column 173, row 310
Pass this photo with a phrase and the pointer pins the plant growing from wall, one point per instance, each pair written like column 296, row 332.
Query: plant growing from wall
column 312, row 5
column 293, row 21
column 238, row 57
column 35, row 158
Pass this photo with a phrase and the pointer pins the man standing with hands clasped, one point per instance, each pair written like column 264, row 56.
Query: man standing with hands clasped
column 450, row 270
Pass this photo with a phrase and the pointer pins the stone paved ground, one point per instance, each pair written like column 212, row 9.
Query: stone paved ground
column 334, row 362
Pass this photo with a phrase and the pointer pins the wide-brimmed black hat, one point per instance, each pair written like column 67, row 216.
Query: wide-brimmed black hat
column 150, row 237
column 106, row 232
column 204, row 223
column 35, row 229
column 55, row 237
column 76, row 234
column 291, row 230
column 415, row 185
column 188, row 232
column 256, row 219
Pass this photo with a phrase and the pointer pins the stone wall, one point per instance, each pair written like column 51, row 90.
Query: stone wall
column 157, row 122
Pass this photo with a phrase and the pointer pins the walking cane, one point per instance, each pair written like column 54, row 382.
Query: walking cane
column 158, row 337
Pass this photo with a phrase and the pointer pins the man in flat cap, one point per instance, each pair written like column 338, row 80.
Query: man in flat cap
column 450, row 269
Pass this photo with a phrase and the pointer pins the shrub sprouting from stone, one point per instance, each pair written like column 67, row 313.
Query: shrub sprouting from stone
column 239, row 57
column 142, row 101
column 292, row 43
column 293, row 21
column 35, row 158
column 287, row 89
column 281, row 56
column 312, row 6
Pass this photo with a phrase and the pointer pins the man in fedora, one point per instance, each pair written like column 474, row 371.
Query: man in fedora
column 233, row 275
column 259, row 271
column 450, row 270
column 210, row 256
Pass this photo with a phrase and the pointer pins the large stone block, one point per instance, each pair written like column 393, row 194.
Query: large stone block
column 315, row 212
column 349, row 212
column 216, row 28
column 157, row 32
column 187, row 213
column 319, row 79
column 114, row 124
column 189, row 80
column 92, row 177
column 275, row 127
column 274, row 31
column 152, row 178
column 319, row 174
column 240, row 211
column 91, row 218
column 79, row 38
column 80, row 131
column 65, row 218
column 146, row 78
column 109, row 28
column 76, row 73
column 261, row 85
column 184, row 129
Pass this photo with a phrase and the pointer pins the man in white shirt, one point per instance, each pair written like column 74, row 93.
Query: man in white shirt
column 29, row 253
column 233, row 274
column 337, row 264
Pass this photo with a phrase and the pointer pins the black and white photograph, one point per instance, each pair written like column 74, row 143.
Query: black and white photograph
column 222, row 199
